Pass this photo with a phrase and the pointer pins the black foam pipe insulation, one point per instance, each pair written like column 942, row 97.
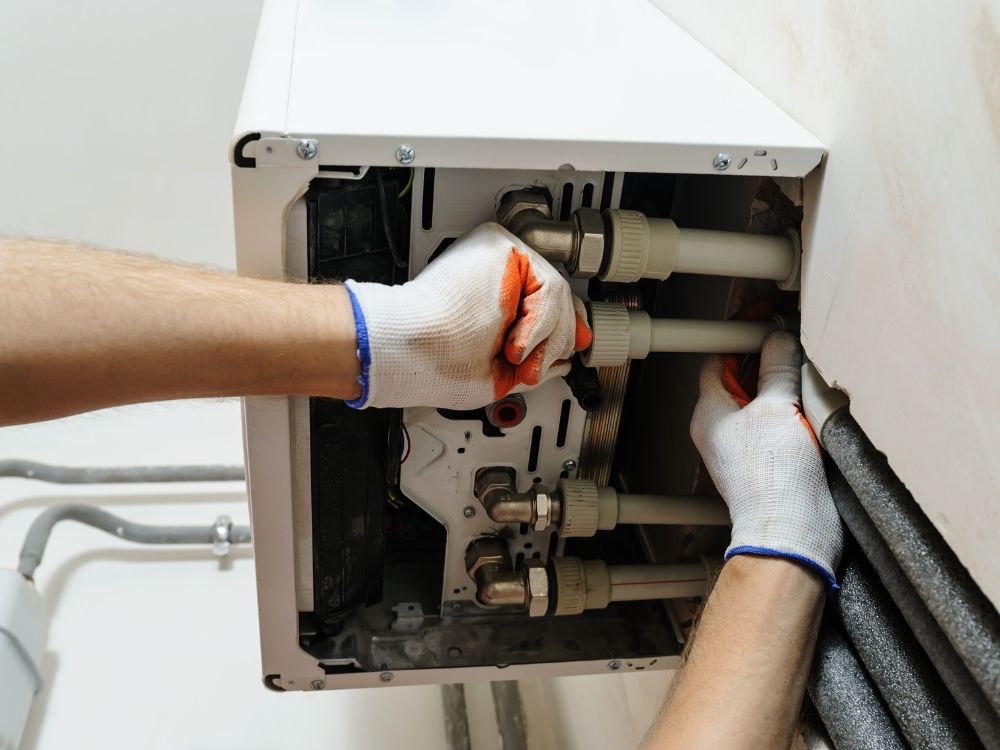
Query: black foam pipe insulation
column 966, row 616
column 924, row 710
column 847, row 702
column 952, row 670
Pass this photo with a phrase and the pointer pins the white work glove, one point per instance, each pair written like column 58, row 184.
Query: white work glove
column 765, row 460
column 487, row 317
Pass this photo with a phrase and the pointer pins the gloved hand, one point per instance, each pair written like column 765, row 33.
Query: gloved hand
column 765, row 460
column 487, row 317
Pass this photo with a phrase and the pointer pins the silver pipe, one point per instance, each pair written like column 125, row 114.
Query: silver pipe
column 118, row 474
column 38, row 534
column 553, row 240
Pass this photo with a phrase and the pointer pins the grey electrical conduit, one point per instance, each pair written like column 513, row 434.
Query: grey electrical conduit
column 38, row 534
column 848, row 704
column 952, row 670
column 964, row 613
column 119, row 474
column 924, row 710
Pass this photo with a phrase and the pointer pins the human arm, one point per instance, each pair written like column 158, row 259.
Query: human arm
column 84, row 329
column 747, row 663
column 744, row 677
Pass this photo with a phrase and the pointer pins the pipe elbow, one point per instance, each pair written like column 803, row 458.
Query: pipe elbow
column 553, row 240
column 502, row 589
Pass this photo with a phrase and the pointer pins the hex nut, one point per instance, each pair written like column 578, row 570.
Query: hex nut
column 543, row 508
column 494, row 479
column 588, row 227
column 486, row 551
column 517, row 201
column 538, row 588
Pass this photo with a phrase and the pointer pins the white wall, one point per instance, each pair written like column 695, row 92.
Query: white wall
column 114, row 123
column 901, row 278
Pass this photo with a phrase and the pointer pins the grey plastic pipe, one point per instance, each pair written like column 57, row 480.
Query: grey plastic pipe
column 118, row 474
column 700, row 336
column 587, row 509
column 748, row 256
column 637, row 582
column 38, row 534
column 672, row 509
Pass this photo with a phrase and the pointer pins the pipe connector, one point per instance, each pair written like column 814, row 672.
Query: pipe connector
column 586, row 508
column 488, row 563
column 639, row 248
column 496, row 489
column 578, row 243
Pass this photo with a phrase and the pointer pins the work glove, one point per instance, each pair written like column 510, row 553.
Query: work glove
column 765, row 460
column 488, row 317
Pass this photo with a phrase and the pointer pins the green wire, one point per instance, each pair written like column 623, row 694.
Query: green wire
column 408, row 185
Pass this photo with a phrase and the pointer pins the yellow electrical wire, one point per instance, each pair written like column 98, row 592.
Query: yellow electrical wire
column 408, row 185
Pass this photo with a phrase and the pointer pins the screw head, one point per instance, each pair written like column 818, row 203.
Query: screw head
column 721, row 162
column 614, row 664
column 569, row 464
column 306, row 149
column 456, row 606
column 386, row 676
column 469, row 511
column 405, row 154
column 317, row 684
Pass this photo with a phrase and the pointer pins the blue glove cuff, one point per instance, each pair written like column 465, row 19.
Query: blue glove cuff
column 801, row 559
column 364, row 350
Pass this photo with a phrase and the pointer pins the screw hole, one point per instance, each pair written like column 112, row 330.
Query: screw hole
column 461, row 450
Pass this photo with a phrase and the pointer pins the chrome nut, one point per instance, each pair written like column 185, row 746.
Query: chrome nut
column 517, row 201
column 486, row 551
column 543, row 508
column 588, row 228
column 538, row 588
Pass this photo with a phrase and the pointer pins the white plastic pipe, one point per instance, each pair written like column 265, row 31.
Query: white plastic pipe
column 749, row 256
column 637, row 582
column 722, row 336
column 643, row 248
column 621, row 334
column 672, row 509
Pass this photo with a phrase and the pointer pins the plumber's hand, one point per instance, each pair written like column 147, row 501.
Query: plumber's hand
column 765, row 460
column 487, row 317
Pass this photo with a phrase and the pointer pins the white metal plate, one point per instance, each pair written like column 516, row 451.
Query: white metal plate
column 600, row 86
column 443, row 455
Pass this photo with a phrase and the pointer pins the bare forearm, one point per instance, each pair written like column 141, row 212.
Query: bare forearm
column 84, row 329
column 746, row 670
